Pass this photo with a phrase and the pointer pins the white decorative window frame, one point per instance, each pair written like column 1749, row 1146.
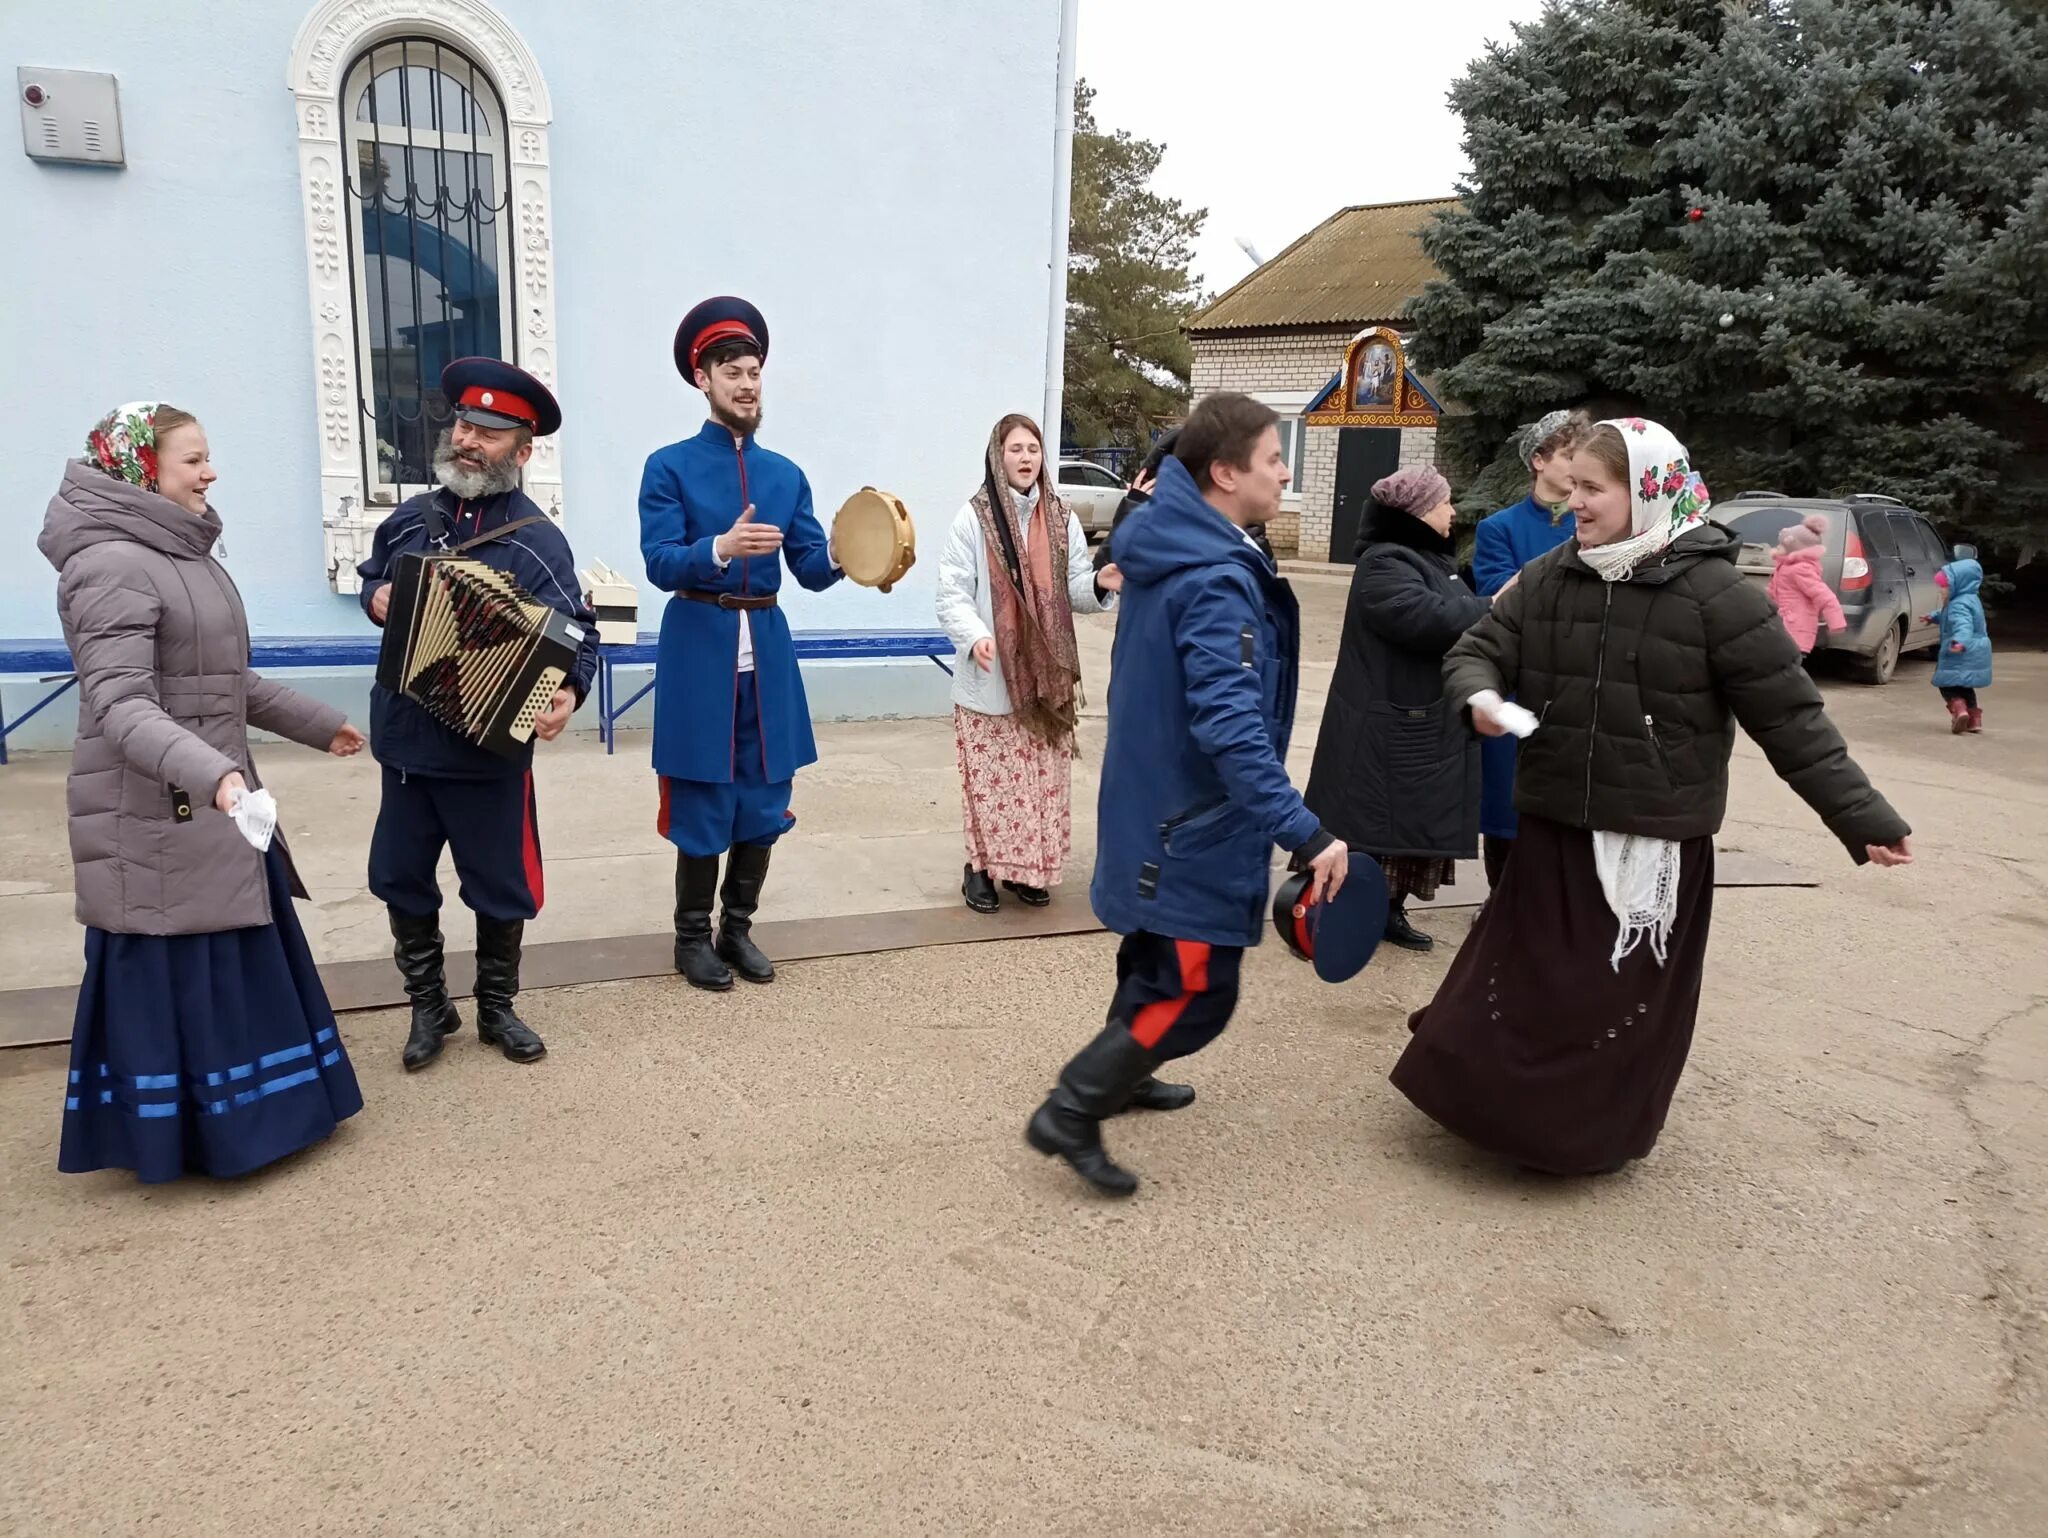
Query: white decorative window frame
column 331, row 36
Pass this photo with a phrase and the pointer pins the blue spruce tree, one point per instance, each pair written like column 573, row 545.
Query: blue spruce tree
column 1812, row 235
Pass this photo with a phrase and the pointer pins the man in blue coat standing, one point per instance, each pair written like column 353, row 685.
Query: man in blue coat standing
column 1502, row 545
column 441, row 790
column 1195, row 791
column 719, row 515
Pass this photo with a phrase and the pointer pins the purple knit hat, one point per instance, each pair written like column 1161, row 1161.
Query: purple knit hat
column 1416, row 490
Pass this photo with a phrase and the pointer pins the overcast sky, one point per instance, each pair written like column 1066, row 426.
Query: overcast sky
column 1256, row 102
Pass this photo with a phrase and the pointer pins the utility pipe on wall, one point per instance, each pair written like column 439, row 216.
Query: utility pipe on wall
column 1062, row 213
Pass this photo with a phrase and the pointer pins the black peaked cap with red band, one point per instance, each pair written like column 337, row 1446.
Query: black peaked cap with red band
column 724, row 319
column 492, row 393
column 1340, row 933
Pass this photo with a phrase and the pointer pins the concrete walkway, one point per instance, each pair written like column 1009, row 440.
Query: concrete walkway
column 779, row 1263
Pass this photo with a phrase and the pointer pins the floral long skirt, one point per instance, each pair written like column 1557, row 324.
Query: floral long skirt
column 1014, row 796
column 1416, row 876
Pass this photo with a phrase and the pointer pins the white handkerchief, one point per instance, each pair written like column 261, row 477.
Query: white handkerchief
column 1506, row 714
column 255, row 813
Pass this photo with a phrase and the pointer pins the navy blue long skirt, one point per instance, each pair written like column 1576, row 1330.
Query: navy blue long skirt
column 203, row 1054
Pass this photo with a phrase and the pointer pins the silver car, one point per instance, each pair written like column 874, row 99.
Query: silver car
column 1878, row 555
column 1092, row 492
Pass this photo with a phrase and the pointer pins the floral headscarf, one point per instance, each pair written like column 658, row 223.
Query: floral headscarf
column 1034, row 619
column 1668, row 498
column 124, row 443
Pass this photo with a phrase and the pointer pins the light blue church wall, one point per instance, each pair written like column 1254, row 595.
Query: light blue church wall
column 879, row 178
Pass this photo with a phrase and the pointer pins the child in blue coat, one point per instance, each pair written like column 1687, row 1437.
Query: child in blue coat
column 1965, row 665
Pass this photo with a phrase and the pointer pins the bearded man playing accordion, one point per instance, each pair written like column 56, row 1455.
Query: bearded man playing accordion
column 441, row 788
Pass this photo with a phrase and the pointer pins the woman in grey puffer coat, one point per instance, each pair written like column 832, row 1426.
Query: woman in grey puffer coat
column 203, row 1039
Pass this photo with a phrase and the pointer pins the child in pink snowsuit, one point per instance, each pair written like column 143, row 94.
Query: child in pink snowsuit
column 1805, row 601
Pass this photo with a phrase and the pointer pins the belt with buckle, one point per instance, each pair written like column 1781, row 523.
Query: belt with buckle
column 730, row 600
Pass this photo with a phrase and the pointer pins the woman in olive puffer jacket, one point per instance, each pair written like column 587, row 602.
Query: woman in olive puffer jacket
column 203, row 1038
column 1558, row 1035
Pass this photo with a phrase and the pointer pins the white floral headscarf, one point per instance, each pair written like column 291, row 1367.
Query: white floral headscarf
column 123, row 443
column 1638, row 873
column 1667, row 494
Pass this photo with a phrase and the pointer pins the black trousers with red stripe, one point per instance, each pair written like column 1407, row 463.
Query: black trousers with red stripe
column 490, row 826
column 1174, row 996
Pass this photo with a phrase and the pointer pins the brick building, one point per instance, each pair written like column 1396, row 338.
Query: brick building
column 1289, row 334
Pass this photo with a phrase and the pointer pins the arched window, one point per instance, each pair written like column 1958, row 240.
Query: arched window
column 424, row 162
column 427, row 202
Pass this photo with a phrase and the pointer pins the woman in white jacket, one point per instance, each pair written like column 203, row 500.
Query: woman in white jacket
column 1014, row 573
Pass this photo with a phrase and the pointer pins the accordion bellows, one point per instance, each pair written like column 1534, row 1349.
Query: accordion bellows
column 474, row 650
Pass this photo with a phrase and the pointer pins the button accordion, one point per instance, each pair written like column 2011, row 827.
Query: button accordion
column 474, row 650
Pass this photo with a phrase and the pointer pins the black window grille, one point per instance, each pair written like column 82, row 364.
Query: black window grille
column 428, row 205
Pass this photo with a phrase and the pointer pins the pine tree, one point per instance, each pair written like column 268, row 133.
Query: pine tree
column 1128, row 288
column 1812, row 235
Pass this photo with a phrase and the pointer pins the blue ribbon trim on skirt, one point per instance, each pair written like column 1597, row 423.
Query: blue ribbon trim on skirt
column 132, row 1084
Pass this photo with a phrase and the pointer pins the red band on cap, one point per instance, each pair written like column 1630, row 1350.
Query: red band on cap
column 1304, row 937
column 504, row 402
column 720, row 331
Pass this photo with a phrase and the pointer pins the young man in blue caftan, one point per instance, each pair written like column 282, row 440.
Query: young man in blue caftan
column 719, row 515
column 1502, row 545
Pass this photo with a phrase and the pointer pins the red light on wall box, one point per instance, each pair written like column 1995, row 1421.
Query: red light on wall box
column 34, row 95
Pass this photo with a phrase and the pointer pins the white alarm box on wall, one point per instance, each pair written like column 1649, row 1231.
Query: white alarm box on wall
column 70, row 116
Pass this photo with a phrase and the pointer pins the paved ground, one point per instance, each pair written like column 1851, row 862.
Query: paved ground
column 778, row 1263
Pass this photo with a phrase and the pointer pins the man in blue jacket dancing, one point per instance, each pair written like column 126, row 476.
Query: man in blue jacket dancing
column 719, row 515
column 1195, row 791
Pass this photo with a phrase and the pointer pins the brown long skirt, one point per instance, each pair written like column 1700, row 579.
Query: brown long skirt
column 1534, row 1046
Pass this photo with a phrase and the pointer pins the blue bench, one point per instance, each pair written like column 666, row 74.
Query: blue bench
column 811, row 646
column 50, row 662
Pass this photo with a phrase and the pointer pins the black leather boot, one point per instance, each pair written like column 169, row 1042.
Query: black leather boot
column 1030, row 896
column 1096, row 1084
column 746, row 868
column 1155, row 1095
column 696, row 891
column 979, row 891
column 1404, row 934
column 418, row 954
column 497, row 985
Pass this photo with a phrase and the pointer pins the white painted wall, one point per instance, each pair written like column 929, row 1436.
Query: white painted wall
column 877, row 177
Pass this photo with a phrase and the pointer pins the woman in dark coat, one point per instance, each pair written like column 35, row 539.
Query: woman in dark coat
column 1633, row 651
column 1396, row 773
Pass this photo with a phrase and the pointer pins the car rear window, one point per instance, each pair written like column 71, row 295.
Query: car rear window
column 1761, row 525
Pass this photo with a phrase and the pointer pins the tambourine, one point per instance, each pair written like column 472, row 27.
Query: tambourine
column 1339, row 934
column 874, row 539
